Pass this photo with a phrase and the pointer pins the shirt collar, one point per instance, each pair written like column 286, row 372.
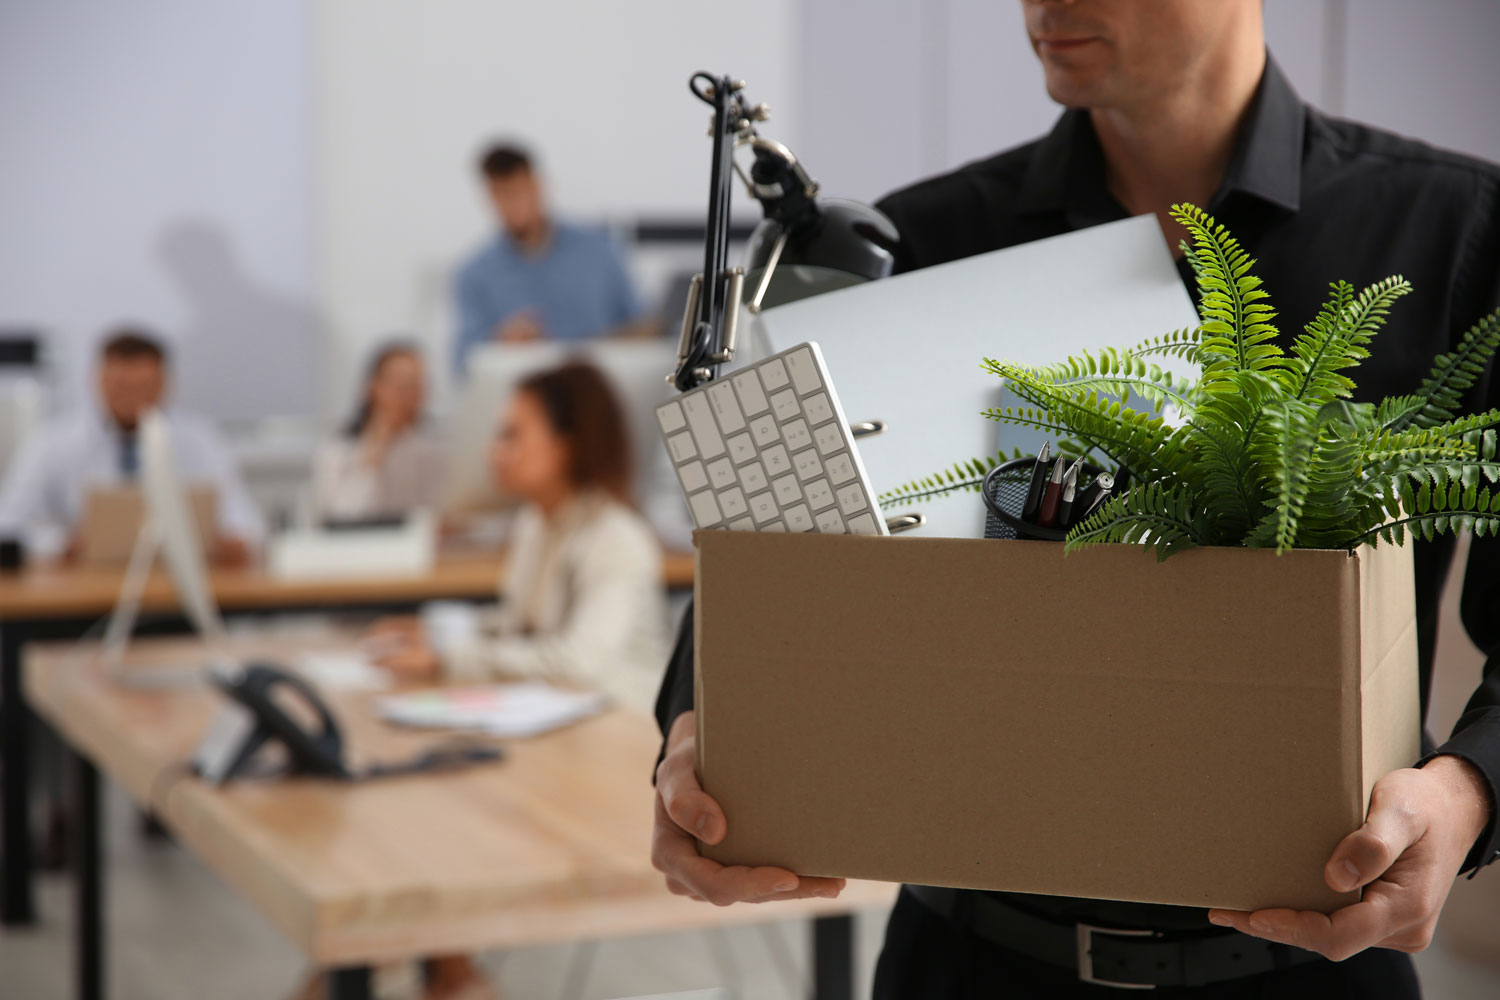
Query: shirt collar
column 1066, row 173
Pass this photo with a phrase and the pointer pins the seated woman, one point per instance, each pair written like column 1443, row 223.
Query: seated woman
column 383, row 464
column 582, row 601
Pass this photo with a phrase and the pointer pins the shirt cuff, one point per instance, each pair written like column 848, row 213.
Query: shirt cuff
column 1479, row 744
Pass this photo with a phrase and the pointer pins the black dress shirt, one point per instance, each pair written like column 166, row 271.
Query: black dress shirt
column 1315, row 199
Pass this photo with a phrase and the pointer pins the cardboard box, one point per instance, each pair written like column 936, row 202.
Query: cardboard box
column 992, row 714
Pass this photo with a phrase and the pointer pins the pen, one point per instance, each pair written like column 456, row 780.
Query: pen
column 1069, row 490
column 1102, row 483
column 1038, row 480
column 1097, row 502
column 1046, row 514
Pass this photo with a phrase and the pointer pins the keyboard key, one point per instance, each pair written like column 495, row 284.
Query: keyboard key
column 840, row 469
column 777, row 460
column 774, row 526
column 798, row 518
column 804, row 371
column 796, row 435
column 752, row 396
column 701, row 421
column 732, row 502
column 817, row 408
column 829, row 439
column 851, row 498
column 830, row 523
column 721, row 473
column 681, row 447
column 763, row 508
column 808, row 466
column 784, row 403
column 725, row 407
column 705, row 509
column 786, row 490
column 743, row 524
column 741, row 449
column 693, row 477
column 819, row 494
column 753, row 477
column 863, row 524
column 773, row 374
column 669, row 415
column 765, row 430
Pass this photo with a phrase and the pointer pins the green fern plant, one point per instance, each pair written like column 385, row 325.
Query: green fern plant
column 1269, row 449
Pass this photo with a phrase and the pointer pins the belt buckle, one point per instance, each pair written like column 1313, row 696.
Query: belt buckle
column 1085, row 934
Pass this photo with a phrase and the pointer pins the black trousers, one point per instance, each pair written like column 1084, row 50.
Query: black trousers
column 927, row 958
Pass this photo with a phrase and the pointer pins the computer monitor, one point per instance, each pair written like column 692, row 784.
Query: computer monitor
column 637, row 370
column 169, row 528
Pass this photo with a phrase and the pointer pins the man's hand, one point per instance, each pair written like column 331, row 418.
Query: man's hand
column 230, row 552
column 1421, row 826
column 520, row 328
column 399, row 644
column 683, row 810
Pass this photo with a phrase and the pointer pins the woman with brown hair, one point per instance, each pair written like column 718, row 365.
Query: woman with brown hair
column 582, row 600
column 384, row 463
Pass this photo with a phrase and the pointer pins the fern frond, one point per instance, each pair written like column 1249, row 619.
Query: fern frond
column 1112, row 373
column 1237, row 331
column 1151, row 513
column 1290, row 432
column 957, row 478
column 1441, row 394
column 1438, row 504
column 1177, row 344
column 1132, row 438
column 1338, row 338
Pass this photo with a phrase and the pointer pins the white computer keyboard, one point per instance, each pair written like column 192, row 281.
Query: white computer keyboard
column 767, row 448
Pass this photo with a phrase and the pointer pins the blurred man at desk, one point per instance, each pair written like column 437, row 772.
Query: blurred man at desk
column 539, row 278
column 49, row 481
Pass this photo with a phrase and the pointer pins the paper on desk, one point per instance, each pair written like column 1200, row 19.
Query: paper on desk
column 515, row 710
column 907, row 350
column 340, row 671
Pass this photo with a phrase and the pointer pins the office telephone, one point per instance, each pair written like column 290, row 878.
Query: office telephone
column 258, row 713
column 255, row 716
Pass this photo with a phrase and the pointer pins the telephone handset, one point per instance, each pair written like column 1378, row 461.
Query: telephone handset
column 253, row 717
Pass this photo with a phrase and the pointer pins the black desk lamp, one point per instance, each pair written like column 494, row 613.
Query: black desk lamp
column 804, row 246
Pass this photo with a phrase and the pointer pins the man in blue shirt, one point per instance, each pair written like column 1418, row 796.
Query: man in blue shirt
column 539, row 279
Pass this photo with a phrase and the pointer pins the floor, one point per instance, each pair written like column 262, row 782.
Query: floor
column 177, row 933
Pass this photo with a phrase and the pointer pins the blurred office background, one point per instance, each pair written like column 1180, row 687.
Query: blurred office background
column 279, row 184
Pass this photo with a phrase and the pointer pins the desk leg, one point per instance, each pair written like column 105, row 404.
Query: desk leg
column 353, row 983
column 89, row 872
column 833, row 958
column 18, row 907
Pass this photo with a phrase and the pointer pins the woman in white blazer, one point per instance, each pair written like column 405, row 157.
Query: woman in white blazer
column 582, row 600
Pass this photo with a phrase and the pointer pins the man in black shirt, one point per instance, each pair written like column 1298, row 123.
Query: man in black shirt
column 1170, row 101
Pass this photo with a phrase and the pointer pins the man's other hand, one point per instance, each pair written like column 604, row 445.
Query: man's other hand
column 1421, row 825
column 684, row 812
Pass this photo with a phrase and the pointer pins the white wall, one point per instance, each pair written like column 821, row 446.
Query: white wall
column 155, row 169
column 407, row 93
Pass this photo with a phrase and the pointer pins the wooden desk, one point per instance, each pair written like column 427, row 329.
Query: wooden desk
column 550, row 844
column 64, row 602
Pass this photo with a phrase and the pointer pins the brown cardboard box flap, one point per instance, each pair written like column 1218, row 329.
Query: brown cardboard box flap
column 992, row 714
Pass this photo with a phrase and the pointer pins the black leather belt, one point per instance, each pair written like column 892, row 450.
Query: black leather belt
column 1125, row 958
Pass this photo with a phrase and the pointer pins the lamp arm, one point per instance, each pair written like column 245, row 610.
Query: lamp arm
column 708, row 326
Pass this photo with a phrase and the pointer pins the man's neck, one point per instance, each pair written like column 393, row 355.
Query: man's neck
column 1177, row 150
column 536, row 240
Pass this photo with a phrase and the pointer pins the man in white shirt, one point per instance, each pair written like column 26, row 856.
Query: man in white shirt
column 48, row 483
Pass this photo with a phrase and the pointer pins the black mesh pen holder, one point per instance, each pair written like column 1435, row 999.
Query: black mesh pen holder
column 1004, row 491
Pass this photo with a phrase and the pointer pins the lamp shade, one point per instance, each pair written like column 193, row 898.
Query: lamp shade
column 843, row 243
